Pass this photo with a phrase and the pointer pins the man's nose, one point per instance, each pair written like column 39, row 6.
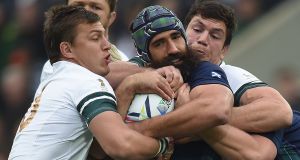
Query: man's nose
column 203, row 38
column 172, row 48
column 106, row 44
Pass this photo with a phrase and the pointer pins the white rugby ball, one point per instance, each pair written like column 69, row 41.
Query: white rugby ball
column 145, row 106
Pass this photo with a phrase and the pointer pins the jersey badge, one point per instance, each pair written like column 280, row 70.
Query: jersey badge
column 102, row 85
column 215, row 74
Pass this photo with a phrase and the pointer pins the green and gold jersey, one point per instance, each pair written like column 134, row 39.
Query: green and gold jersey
column 56, row 125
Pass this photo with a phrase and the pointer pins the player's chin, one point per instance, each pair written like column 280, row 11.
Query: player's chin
column 103, row 70
column 107, row 70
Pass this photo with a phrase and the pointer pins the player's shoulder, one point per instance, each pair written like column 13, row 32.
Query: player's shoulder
column 78, row 78
column 89, row 88
column 46, row 71
column 207, row 73
column 234, row 70
column 237, row 73
column 209, row 69
column 90, row 84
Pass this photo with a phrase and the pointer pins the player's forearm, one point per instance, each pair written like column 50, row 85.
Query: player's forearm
column 120, row 142
column 263, row 109
column 232, row 143
column 139, row 147
column 120, row 70
column 135, row 147
column 191, row 118
column 125, row 93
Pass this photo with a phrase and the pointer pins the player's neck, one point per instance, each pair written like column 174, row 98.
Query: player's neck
column 106, row 33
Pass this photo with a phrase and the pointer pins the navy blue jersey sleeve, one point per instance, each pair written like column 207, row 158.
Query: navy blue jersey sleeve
column 207, row 73
column 276, row 137
column 292, row 133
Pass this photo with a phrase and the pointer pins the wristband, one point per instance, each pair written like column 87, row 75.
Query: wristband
column 159, row 148
column 163, row 146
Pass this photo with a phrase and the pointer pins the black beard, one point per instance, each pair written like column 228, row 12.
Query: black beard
column 188, row 62
column 168, row 61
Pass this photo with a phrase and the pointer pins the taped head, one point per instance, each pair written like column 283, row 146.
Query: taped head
column 150, row 22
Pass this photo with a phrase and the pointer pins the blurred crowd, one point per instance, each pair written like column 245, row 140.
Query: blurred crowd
column 288, row 84
column 22, row 53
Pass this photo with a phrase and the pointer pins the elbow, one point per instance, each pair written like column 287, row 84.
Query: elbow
column 121, row 151
column 223, row 113
column 246, row 155
column 256, row 155
column 227, row 103
column 261, row 156
column 288, row 115
column 264, row 151
column 222, row 117
column 285, row 112
column 283, row 107
column 125, row 148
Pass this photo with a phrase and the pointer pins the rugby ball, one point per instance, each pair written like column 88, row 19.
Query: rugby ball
column 145, row 106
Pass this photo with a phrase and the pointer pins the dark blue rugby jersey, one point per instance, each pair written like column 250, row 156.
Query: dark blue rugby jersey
column 200, row 150
column 276, row 137
column 292, row 134
column 204, row 73
column 290, row 148
column 207, row 73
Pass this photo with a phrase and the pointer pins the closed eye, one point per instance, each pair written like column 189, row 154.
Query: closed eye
column 96, row 7
column 95, row 35
column 215, row 36
column 78, row 5
column 198, row 29
column 95, row 38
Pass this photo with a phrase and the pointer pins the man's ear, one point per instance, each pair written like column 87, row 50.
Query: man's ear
column 112, row 18
column 65, row 49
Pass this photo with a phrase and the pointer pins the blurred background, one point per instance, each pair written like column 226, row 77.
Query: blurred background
column 267, row 44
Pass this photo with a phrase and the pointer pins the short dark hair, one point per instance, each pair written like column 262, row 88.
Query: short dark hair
column 212, row 9
column 60, row 26
column 112, row 4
